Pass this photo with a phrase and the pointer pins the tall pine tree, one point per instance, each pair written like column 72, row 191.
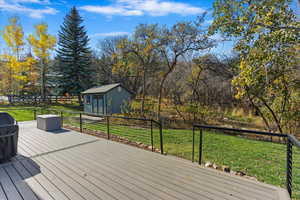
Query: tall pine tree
column 73, row 56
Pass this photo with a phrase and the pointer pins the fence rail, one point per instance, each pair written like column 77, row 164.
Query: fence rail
column 28, row 99
column 289, row 141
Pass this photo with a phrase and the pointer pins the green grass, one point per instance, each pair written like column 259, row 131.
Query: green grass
column 21, row 115
column 26, row 113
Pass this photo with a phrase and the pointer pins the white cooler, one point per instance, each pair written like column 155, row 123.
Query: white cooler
column 48, row 122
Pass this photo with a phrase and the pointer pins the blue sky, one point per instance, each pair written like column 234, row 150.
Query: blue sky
column 106, row 17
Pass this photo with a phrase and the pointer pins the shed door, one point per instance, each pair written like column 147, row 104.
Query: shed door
column 98, row 104
column 95, row 104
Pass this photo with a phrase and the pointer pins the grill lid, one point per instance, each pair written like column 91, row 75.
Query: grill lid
column 6, row 119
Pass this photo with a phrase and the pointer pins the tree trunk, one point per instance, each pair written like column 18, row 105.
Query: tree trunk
column 43, row 81
column 18, row 82
column 273, row 115
column 159, row 99
column 144, row 93
column 161, row 87
column 10, row 82
column 80, row 100
column 259, row 113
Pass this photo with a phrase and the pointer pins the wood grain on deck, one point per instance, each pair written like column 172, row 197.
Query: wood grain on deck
column 70, row 165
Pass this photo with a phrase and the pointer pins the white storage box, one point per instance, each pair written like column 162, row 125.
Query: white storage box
column 48, row 122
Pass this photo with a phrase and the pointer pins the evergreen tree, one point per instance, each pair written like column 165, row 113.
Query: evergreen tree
column 73, row 56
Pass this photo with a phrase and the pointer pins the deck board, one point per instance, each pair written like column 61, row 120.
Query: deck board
column 20, row 185
column 2, row 194
column 181, row 191
column 32, row 182
column 70, row 179
column 51, row 188
column 9, row 188
column 182, row 173
column 70, row 165
column 152, row 172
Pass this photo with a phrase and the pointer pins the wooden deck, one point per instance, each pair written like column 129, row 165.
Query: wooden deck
column 69, row 165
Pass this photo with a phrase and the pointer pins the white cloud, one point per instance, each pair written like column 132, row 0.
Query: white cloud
column 32, row 1
column 110, row 34
column 32, row 12
column 161, row 8
column 208, row 22
column 110, row 10
column 39, row 13
column 145, row 7
column 217, row 37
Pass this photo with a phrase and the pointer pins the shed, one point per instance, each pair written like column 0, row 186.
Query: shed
column 106, row 99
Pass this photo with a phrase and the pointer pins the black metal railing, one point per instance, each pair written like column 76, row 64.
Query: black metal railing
column 142, row 132
column 282, row 139
column 291, row 142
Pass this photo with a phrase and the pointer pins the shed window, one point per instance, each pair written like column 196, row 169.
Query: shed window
column 88, row 99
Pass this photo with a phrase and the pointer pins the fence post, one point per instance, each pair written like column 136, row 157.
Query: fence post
column 200, row 148
column 289, row 166
column 193, row 147
column 80, row 121
column 161, row 139
column 152, row 135
column 107, row 123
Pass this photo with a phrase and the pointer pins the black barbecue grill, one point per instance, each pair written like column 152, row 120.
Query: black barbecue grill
column 9, row 131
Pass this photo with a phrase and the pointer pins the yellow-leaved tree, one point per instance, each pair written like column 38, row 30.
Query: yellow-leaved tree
column 42, row 43
column 267, row 33
column 13, row 36
column 16, row 68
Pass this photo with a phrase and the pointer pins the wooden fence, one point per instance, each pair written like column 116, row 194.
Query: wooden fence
column 28, row 99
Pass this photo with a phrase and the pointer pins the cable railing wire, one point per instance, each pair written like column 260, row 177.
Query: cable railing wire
column 275, row 158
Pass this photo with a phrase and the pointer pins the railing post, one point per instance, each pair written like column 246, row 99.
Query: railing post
column 80, row 121
column 107, row 123
column 34, row 114
column 62, row 118
column 200, row 148
column 193, row 147
column 289, row 166
column 152, row 135
column 161, row 139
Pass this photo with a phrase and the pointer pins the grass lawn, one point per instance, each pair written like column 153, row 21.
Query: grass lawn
column 26, row 113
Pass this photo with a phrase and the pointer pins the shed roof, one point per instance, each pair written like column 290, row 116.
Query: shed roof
column 101, row 89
